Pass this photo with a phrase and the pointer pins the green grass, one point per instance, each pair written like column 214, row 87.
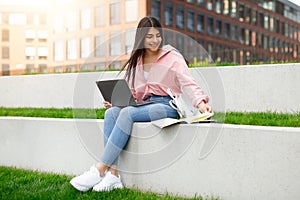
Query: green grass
column 258, row 118
column 27, row 184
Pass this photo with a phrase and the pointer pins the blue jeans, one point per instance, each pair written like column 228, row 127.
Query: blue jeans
column 118, row 123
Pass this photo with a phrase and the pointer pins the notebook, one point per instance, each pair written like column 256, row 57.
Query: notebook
column 118, row 93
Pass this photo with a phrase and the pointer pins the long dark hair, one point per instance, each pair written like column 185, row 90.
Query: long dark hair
column 138, row 49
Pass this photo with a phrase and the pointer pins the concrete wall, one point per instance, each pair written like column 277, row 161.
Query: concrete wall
column 229, row 161
column 239, row 88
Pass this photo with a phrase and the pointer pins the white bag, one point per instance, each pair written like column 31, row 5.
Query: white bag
column 183, row 105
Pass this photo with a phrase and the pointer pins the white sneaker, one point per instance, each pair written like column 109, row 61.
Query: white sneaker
column 109, row 182
column 87, row 180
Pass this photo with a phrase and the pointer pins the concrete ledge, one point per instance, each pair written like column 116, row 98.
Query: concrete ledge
column 240, row 88
column 229, row 161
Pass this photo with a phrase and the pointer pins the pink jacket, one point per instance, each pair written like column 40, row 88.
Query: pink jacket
column 169, row 71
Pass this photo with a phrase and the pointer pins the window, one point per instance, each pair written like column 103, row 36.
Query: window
column 115, row 65
column 278, row 26
column 5, row 52
column 43, row 68
column 190, row 20
column 180, row 43
column 115, row 48
column 86, row 19
column 218, row 6
column 30, row 53
column 17, row 19
column 266, row 22
column 242, row 35
column 168, row 13
column 58, row 23
column 85, row 47
column 5, row 18
column 5, row 35
column 70, row 68
column 5, row 70
column 30, row 19
column 201, row 3
column 209, row 4
column 42, row 35
column 71, row 21
column 271, row 24
column 219, row 28
column 155, row 8
column 100, row 15
column 59, row 50
column 261, row 20
column 100, row 66
column 30, row 68
column 248, row 14
column 131, row 9
column 43, row 19
column 200, row 22
column 210, row 25
column 233, row 8
column 43, row 53
column 254, row 17
column 99, row 45
column 129, row 42
column 241, row 13
column 71, row 49
column 226, row 7
column 179, row 17
column 234, row 35
column 115, row 12
column 227, row 30
column 169, row 37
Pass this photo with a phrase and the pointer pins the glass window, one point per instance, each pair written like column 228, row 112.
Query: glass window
column 30, row 53
column 226, row 7
column 58, row 23
column 254, row 17
column 234, row 35
column 43, row 53
column 30, row 19
column 201, row 3
column 5, row 70
column 168, row 13
column 248, row 14
column 179, row 17
column 30, row 68
column 241, row 13
column 42, row 35
column 190, row 20
column 131, row 10
column 71, row 21
column 115, row 65
column 155, row 8
column 100, row 15
column 266, row 22
column 209, row 4
column 210, row 25
column 100, row 66
column 190, row 1
column 100, row 45
column 218, row 6
column 261, row 20
column 71, row 49
column 5, row 35
column 5, row 18
column 227, row 30
column 17, row 19
column 129, row 42
column 85, row 47
column 219, row 28
column 278, row 26
column 115, row 47
column 58, row 50
column 271, row 24
column 5, row 52
column 115, row 12
column 233, row 8
column 169, row 37
column 43, row 19
column 200, row 22
column 180, row 43
column 242, row 35
column 85, row 19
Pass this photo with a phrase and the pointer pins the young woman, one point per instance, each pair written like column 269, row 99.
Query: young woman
column 150, row 71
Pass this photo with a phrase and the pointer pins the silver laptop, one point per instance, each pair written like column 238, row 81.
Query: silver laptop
column 118, row 93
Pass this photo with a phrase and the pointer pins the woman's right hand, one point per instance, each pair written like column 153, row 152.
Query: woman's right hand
column 106, row 104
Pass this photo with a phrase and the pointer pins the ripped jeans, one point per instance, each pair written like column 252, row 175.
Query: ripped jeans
column 118, row 123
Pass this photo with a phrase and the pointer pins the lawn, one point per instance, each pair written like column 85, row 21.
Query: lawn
column 27, row 184
column 257, row 118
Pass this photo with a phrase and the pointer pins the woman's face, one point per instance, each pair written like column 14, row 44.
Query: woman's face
column 152, row 39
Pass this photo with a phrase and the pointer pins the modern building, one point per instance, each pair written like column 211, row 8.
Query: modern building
column 85, row 35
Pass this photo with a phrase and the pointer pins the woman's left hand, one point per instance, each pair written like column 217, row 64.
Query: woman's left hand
column 203, row 107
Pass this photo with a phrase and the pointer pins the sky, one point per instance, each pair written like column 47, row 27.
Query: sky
column 297, row 2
